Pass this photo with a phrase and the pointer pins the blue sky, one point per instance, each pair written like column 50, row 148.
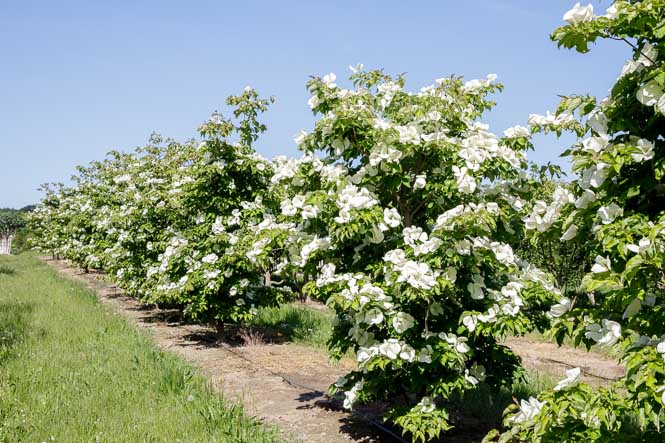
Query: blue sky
column 79, row 78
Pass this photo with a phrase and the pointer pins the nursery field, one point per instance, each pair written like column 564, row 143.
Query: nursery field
column 411, row 275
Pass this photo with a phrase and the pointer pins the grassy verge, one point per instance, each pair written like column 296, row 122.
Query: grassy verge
column 71, row 370
column 296, row 323
column 569, row 343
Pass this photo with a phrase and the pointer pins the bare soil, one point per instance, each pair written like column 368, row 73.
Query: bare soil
column 285, row 383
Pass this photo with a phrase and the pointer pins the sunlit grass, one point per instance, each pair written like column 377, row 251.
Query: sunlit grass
column 71, row 370
column 297, row 323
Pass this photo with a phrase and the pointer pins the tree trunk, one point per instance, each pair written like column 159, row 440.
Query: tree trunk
column 219, row 326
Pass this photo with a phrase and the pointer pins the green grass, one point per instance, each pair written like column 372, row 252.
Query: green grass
column 569, row 343
column 296, row 323
column 481, row 404
column 72, row 370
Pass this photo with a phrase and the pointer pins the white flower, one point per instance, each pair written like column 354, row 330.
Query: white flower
column 420, row 182
column 408, row 134
column 210, row 259
column 299, row 138
column 314, row 101
column 605, row 335
column 210, row 275
column 329, row 80
column 397, row 257
column 645, row 150
column 598, row 122
column 490, row 317
column 402, row 322
column 309, row 211
column 629, row 67
column 570, row 233
column 470, row 378
column 587, row 197
column 413, row 236
column 350, row 396
column 602, row 264
column 374, row 316
column 529, row 409
column 465, row 182
column 418, row 275
column 503, row 252
column 425, row 355
column 648, row 55
column 407, row 353
column 463, row 247
column 391, row 217
column 595, row 145
column 641, row 247
column 390, row 348
column 459, row 343
column 612, row 12
column 517, row 131
column 579, row 14
column 470, row 321
column 353, row 197
column 650, row 93
column 560, row 308
column 607, row 214
column 317, row 244
column 426, row 405
column 595, row 176
column 572, row 377
column 356, row 69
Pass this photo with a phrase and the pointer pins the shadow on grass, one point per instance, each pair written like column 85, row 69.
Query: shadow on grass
column 273, row 325
column 294, row 323
column 6, row 270
column 14, row 323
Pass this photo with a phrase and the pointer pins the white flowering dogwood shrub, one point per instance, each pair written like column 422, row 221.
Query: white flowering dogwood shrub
column 142, row 205
column 615, row 209
column 405, row 226
column 213, row 265
column 176, row 223
column 46, row 220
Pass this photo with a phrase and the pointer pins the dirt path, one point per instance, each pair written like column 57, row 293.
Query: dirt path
column 285, row 384
column 547, row 357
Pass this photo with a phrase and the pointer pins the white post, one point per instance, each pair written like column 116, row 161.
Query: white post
column 6, row 244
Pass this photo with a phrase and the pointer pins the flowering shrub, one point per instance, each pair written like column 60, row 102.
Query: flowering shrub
column 174, row 223
column 615, row 209
column 405, row 226
column 212, row 264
